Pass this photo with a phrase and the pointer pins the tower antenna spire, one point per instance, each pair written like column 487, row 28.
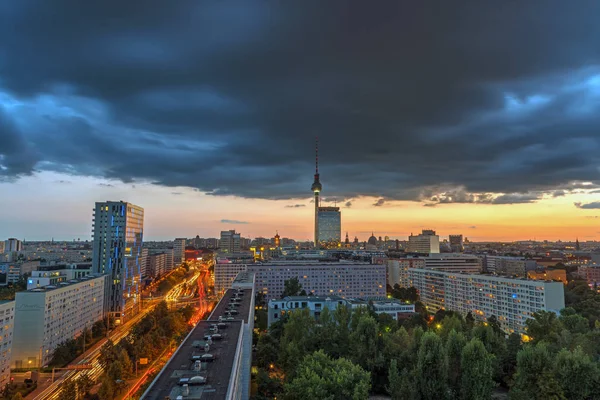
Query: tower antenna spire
column 316, row 154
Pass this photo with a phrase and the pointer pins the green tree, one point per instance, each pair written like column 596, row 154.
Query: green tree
column 298, row 339
column 268, row 386
column 477, row 381
column 573, row 322
column 364, row 342
column 577, row 374
column 454, row 350
column 107, row 354
column 431, row 372
column 534, row 379
column 291, row 287
column 399, row 386
column 107, row 389
column 321, row 377
column 544, row 326
column 68, row 390
column 17, row 396
column 267, row 351
column 84, row 383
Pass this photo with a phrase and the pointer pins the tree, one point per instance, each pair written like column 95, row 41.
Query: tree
column 107, row 389
column 267, row 351
column 84, row 383
column 127, row 365
column 363, row 342
column 17, row 396
column 454, row 349
column 399, row 387
column 68, row 390
column 576, row 374
column 470, row 320
column 534, row 378
column 477, row 372
column 431, row 372
column 542, row 326
column 107, row 354
column 321, row 377
column 291, row 287
column 298, row 339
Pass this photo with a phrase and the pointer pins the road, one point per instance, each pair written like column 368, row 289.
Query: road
column 52, row 392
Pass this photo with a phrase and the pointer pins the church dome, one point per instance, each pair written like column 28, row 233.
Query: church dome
column 372, row 240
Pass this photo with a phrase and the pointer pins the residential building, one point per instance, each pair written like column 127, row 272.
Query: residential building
column 230, row 242
column 7, row 323
column 425, row 243
column 509, row 266
column 397, row 270
column 548, row 275
column 277, row 308
column 47, row 316
column 512, row 301
column 12, row 245
column 330, row 227
column 144, row 262
column 53, row 275
column 2, row 245
column 157, row 264
column 117, row 251
column 456, row 243
column 225, row 273
column 320, row 279
column 453, row 262
column 591, row 273
column 17, row 270
column 178, row 251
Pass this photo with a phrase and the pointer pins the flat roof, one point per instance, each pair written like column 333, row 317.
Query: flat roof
column 62, row 284
column 217, row 372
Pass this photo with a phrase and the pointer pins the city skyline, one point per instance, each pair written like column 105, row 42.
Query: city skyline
column 440, row 133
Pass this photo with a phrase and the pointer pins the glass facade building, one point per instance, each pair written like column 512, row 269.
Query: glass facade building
column 118, row 239
column 330, row 227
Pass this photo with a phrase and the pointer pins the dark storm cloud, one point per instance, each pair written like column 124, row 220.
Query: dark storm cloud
column 488, row 103
column 588, row 206
column 295, row 206
column 379, row 203
column 348, row 204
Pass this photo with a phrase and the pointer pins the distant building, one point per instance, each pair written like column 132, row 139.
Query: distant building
column 548, row 275
column 230, row 242
column 55, row 275
column 144, row 262
column 179, row 251
column 591, row 273
column 277, row 308
column 46, row 317
column 397, row 270
column 118, row 239
column 330, row 227
column 425, row 243
column 453, row 262
column 7, row 324
column 509, row 266
column 157, row 264
column 512, row 301
column 225, row 273
column 456, row 243
column 12, row 245
column 16, row 270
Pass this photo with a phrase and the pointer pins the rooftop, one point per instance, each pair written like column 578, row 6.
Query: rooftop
column 65, row 284
column 218, row 372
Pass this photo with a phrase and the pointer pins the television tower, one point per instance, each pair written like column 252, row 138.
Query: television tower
column 316, row 188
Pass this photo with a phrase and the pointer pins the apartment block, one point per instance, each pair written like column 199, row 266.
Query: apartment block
column 425, row 243
column 225, row 273
column 512, row 301
column 7, row 322
column 179, row 251
column 397, row 270
column 47, row 316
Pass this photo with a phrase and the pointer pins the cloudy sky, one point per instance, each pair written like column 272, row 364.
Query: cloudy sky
column 482, row 119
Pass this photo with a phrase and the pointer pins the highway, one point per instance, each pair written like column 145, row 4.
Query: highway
column 179, row 291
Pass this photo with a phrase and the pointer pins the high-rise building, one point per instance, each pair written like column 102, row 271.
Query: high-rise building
column 316, row 188
column 330, row 227
column 511, row 301
column 7, row 322
column 426, row 243
column 456, row 243
column 230, row 242
column 12, row 245
column 179, row 251
column 118, row 237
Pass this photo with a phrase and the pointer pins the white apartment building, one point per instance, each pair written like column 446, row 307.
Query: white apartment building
column 7, row 322
column 230, row 242
column 321, row 279
column 16, row 270
column 225, row 273
column 47, row 316
column 179, row 251
column 397, row 270
column 453, row 262
column 512, row 301
column 54, row 277
column 508, row 266
column 426, row 243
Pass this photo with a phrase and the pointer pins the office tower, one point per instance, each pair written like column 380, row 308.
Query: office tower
column 118, row 237
column 230, row 242
column 330, row 227
column 12, row 245
column 179, row 251
column 456, row 243
column 427, row 242
column 511, row 301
